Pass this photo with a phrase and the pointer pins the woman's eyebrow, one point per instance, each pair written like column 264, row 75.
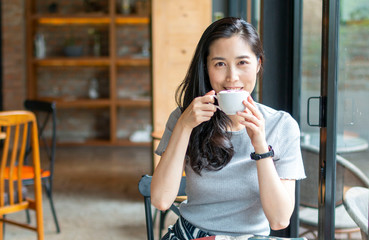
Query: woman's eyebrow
column 217, row 58
column 238, row 57
column 243, row 56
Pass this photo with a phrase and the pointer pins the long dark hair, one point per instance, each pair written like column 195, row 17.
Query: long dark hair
column 210, row 146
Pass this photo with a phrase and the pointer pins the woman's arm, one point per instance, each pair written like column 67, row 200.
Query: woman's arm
column 167, row 175
column 277, row 196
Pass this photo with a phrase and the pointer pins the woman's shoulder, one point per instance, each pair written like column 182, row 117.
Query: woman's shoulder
column 176, row 113
column 271, row 112
column 173, row 118
column 278, row 116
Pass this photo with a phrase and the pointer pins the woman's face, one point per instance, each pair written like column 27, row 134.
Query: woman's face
column 232, row 65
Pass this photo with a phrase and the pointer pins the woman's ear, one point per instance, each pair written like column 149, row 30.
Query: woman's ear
column 259, row 64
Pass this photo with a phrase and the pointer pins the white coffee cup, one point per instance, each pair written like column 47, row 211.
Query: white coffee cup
column 230, row 101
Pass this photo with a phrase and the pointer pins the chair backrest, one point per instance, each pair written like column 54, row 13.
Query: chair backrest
column 356, row 202
column 16, row 126
column 46, row 123
column 347, row 175
column 144, row 186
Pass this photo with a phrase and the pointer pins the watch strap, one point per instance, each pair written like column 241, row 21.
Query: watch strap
column 256, row 157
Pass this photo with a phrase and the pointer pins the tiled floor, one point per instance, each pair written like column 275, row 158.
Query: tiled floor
column 96, row 196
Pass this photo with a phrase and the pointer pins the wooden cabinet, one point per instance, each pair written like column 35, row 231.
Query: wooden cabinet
column 112, row 45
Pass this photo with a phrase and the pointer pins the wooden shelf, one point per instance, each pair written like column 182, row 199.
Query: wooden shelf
column 73, row 61
column 58, row 19
column 109, row 67
column 83, row 19
column 91, row 61
column 78, row 103
column 132, row 20
column 94, row 103
column 133, row 103
column 131, row 61
column 104, row 142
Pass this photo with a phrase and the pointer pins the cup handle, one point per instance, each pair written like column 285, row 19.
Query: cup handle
column 215, row 96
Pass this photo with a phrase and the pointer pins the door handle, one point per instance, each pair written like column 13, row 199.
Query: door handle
column 320, row 113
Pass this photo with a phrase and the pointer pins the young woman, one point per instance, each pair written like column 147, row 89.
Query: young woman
column 228, row 192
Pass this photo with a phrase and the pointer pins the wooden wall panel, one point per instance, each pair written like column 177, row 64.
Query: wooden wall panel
column 176, row 28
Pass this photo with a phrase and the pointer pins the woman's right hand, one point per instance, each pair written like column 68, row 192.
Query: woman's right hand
column 168, row 173
column 200, row 110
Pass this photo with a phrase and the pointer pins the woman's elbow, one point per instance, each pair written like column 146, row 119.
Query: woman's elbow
column 279, row 225
column 160, row 203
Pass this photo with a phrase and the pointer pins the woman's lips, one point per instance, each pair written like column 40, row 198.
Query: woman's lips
column 233, row 88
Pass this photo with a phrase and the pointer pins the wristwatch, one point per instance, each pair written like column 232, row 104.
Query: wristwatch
column 257, row 157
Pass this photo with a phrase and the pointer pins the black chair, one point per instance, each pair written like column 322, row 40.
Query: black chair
column 144, row 188
column 45, row 114
column 163, row 214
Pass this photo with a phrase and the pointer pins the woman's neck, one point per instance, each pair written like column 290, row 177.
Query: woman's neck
column 236, row 125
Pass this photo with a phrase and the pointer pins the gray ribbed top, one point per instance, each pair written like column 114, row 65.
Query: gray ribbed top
column 228, row 201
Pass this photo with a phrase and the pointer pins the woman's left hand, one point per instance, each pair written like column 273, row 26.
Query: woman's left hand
column 255, row 124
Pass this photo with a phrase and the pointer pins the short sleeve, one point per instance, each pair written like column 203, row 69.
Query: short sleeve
column 289, row 162
column 172, row 120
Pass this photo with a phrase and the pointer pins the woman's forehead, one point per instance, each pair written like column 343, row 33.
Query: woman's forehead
column 233, row 46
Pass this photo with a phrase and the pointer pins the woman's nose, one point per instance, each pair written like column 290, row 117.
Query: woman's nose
column 232, row 74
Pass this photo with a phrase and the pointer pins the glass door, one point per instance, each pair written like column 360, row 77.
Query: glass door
column 318, row 139
column 353, row 84
column 334, row 111
column 311, row 70
column 311, row 42
column 353, row 96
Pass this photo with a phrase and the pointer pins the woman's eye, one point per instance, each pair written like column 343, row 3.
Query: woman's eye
column 243, row 63
column 220, row 64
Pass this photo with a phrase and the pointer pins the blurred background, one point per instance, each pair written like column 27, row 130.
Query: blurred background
column 112, row 68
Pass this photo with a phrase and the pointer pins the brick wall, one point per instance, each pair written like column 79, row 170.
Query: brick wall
column 69, row 6
column 13, row 32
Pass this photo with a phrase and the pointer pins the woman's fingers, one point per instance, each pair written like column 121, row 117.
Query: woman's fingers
column 251, row 106
column 251, row 117
column 250, row 126
column 248, row 117
column 209, row 97
column 200, row 110
column 204, row 103
column 251, row 113
column 254, row 122
column 211, row 93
